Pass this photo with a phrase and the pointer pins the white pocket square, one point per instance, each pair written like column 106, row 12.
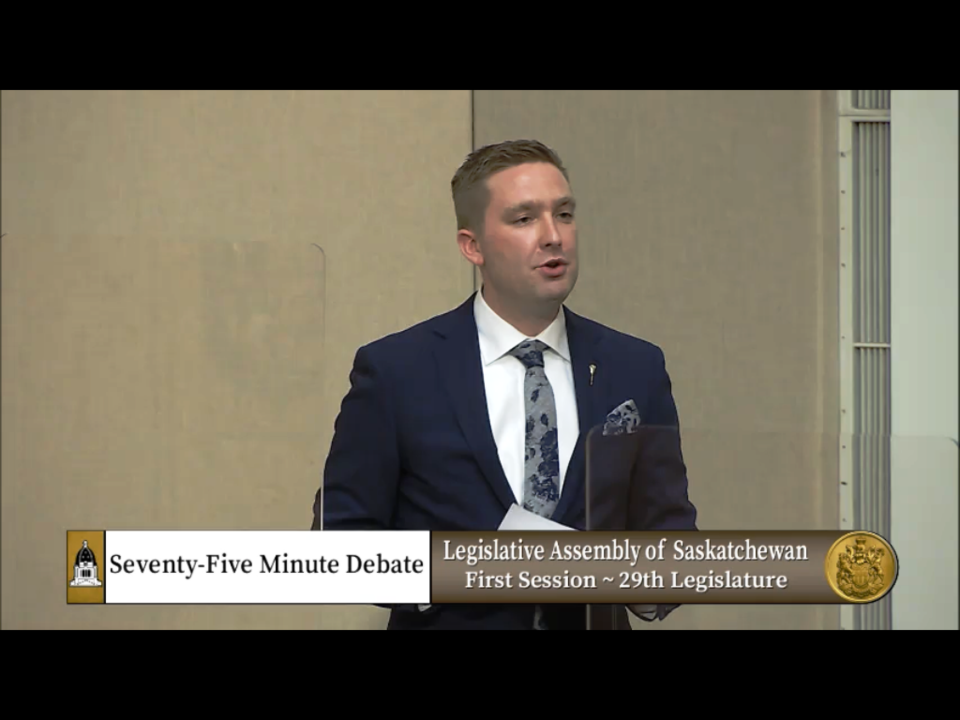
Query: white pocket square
column 622, row 420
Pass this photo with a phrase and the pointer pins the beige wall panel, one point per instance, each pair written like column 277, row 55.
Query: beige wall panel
column 175, row 348
column 708, row 225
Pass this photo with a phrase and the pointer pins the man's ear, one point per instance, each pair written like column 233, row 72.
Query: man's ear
column 469, row 246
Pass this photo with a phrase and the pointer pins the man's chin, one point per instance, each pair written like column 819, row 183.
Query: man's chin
column 556, row 292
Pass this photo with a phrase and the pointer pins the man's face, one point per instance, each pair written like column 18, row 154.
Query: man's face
column 528, row 249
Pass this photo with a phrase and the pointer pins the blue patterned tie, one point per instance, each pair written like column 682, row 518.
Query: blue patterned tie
column 541, row 477
column 541, row 481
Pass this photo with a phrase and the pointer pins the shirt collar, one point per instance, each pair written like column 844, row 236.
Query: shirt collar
column 498, row 337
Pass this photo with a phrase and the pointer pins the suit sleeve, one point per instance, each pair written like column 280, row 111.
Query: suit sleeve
column 663, row 503
column 362, row 472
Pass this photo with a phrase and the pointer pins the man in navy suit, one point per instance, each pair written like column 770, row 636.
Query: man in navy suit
column 451, row 422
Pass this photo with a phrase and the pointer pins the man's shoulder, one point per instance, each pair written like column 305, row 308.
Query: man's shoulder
column 414, row 339
column 622, row 341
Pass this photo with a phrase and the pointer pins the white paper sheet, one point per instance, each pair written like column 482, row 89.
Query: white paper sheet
column 519, row 519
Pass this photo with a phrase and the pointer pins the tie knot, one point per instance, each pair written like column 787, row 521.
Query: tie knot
column 530, row 353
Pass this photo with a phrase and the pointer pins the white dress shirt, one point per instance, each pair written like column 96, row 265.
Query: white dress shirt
column 503, row 377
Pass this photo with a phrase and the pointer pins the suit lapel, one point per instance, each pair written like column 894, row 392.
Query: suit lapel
column 457, row 352
column 585, row 350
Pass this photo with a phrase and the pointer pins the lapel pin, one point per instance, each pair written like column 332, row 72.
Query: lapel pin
column 593, row 369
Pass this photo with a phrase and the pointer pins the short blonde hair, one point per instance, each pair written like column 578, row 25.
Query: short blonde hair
column 470, row 192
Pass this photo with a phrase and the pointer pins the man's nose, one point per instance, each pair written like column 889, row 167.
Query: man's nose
column 551, row 233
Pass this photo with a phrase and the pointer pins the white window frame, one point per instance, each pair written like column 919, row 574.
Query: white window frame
column 849, row 116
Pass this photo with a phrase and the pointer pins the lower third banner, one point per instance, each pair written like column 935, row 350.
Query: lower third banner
column 195, row 567
column 724, row 567
column 419, row 567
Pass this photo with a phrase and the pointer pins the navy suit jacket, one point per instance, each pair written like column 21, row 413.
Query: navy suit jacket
column 413, row 447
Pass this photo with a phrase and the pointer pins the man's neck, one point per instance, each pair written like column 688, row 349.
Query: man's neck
column 531, row 322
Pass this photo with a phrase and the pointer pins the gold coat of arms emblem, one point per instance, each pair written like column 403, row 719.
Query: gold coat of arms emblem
column 861, row 567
